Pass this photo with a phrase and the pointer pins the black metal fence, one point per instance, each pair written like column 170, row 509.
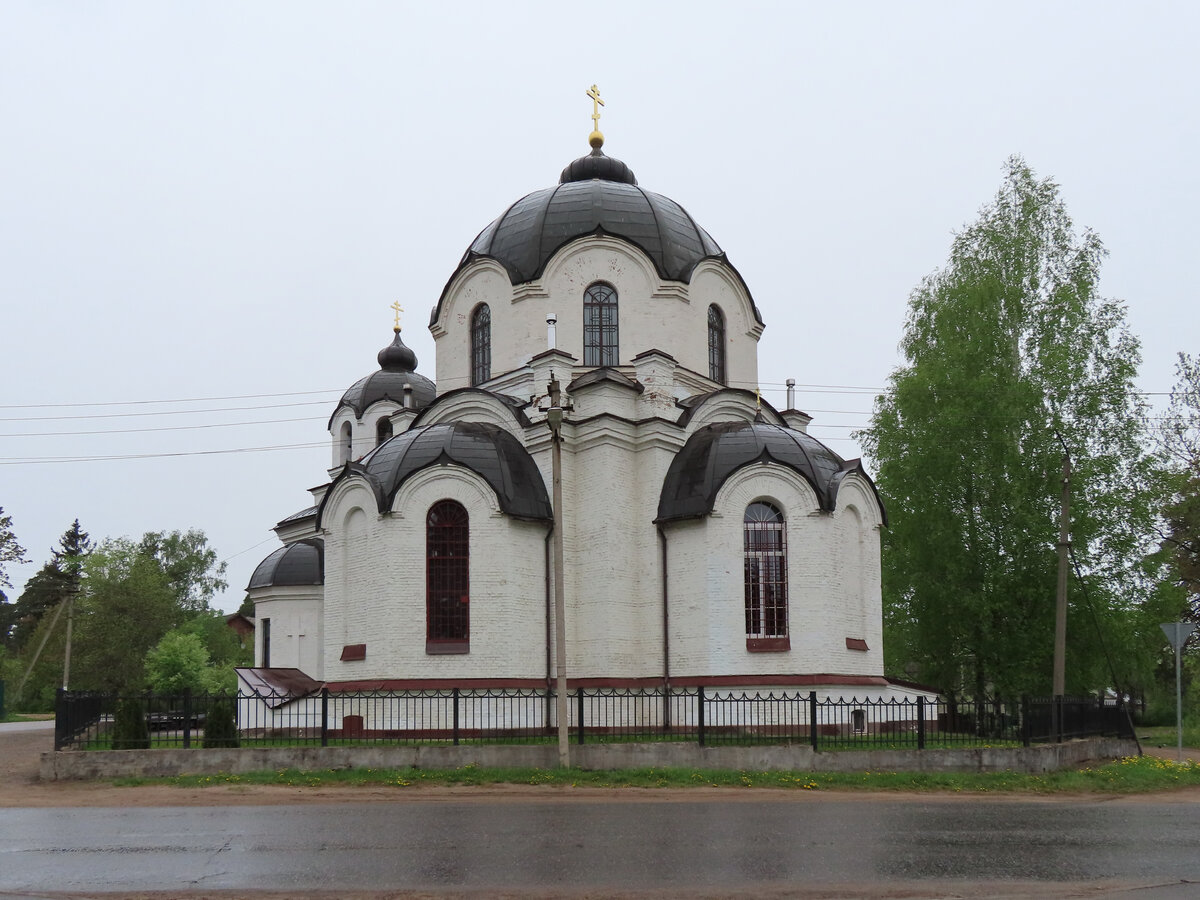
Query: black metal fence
column 527, row 716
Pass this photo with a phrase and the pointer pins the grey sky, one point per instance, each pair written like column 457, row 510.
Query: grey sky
column 212, row 200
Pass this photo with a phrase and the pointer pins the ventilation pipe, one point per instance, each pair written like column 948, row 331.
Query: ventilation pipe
column 407, row 401
column 791, row 394
column 551, row 320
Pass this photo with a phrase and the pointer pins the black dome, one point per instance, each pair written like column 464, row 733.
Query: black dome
column 397, row 368
column 597, row 194
column 487, row 450
column 597, row 165
column 301, row 563
column 715, row 452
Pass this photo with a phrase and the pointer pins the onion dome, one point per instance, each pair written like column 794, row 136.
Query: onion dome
column 397, row 368
column 715, row 452
column 301, row 563
column 596, row 194
column 487, row 450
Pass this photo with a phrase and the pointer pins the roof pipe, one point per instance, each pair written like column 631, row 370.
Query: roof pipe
column 791, row 393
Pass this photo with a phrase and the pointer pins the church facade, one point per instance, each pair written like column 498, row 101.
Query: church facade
column 707, row 538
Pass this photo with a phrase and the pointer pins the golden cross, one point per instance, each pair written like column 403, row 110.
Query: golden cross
column 399, row 309
column 594, row 93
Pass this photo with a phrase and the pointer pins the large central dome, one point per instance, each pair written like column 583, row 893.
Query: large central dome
column 597, row 194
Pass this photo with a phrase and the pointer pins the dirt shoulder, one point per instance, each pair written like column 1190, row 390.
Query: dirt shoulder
column 20, row 786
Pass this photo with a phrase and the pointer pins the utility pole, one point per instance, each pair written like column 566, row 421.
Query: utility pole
column 554, row 418
column 67, row 651
column 1064, row 547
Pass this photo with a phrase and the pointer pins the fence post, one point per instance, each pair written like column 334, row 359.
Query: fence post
column 700, row 714
column 324, row 717
column 187, row 718
column 920, row 721
column 812, row 719
column 579, row 714
column 1026, row 725
column 454, row 694
column 60, row 718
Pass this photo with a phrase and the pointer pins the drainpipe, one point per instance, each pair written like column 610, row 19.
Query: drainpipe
column 666, row 620
column 549, row 600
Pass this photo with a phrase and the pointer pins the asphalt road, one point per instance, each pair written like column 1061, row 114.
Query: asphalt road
column 805, row 847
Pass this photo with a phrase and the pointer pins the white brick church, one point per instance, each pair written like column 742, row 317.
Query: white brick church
column 707, row 538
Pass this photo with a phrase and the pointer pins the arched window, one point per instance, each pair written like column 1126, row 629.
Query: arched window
column 766, row 578
column 716, row 344
column 346, row 445
column 600, row 326
column 383, row 430
column 447, row 579
column 481, row 344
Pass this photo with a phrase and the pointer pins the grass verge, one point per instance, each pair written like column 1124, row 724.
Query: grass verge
column 1125, row 776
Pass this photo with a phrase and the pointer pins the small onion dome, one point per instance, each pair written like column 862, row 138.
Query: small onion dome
column 597, row 165
column 716, row 451
column 397, row 367
column 485, row 449
column 301, row 563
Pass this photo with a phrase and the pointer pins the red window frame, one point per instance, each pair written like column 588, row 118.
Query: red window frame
column 447, row 578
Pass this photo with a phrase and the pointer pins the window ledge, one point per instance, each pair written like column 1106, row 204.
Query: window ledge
column 856, row 644
column 768, row 645
column 354, row 652
column 446, row 648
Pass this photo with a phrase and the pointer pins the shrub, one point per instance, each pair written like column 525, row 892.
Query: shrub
column 220, row 726
column 130, row 731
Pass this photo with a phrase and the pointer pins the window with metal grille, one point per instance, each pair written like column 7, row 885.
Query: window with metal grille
column 600, row 325
column 447, row 578
column 766, row 573
column 481, row 344
column 716, row 344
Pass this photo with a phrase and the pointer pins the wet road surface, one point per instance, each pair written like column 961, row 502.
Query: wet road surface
column 612, row 846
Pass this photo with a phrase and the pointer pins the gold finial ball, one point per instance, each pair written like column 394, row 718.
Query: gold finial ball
column 596, row 139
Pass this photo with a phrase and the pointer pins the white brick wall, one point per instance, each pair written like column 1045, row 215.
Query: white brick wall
column 652, row 314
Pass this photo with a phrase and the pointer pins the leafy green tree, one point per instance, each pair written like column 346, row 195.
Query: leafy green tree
column 177, row 663
column 190, row 565
column 1179, row 443
column 127, row 606
column 1011, row 355
column 57, row 580
column 10, row 550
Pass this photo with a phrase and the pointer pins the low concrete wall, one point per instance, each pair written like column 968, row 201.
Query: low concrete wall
column 75, row 764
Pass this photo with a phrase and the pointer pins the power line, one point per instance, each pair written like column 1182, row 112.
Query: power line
column 163, row 428
column 42, row 460
column 162, row 412
column 174, row 400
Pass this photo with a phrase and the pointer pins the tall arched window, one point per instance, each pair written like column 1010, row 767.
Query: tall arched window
column 481, row 344
column 346, row 444
column 383, row 430
column 716, row 344
column 447, row 579
column 766, row 578
column 600, row 325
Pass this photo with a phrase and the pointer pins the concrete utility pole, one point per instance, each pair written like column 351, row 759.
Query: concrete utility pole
column 1060, row 614
column 554, row 418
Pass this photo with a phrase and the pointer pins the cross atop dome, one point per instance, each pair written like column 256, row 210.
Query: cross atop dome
column 596, row 138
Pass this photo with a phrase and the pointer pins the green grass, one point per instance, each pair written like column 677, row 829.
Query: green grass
column 1166, row 736
column 1125, row 776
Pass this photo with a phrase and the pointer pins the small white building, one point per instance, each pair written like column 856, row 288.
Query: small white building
column 708, row 538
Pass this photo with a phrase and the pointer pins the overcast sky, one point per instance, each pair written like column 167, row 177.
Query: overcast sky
column 210, row 206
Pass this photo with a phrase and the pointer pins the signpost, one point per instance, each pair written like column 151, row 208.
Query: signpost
column 1177, row 633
